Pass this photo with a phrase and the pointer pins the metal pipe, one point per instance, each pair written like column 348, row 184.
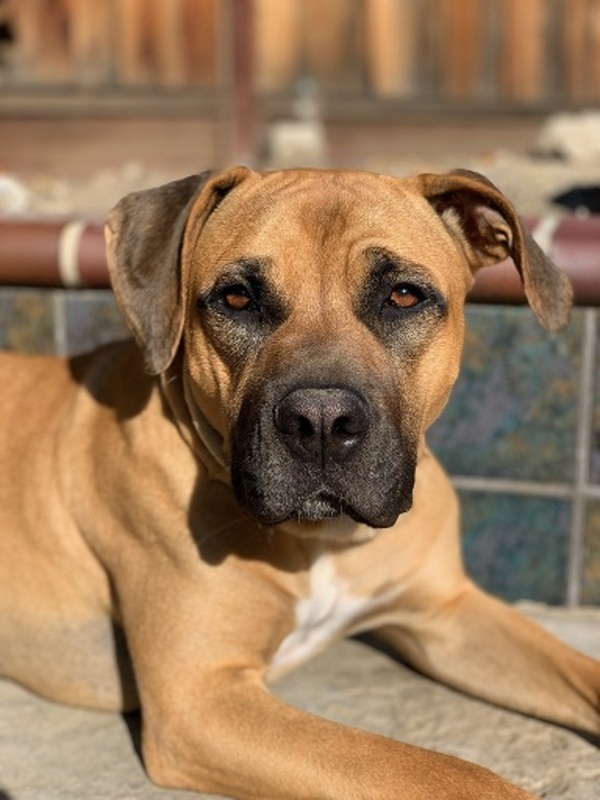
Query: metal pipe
column 70, row 253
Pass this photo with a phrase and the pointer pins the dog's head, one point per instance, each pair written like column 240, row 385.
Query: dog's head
column 319, row 319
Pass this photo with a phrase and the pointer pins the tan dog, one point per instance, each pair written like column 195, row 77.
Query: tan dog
column 263, row 485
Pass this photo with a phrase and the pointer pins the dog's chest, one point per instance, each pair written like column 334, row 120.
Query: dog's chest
column 330, row 610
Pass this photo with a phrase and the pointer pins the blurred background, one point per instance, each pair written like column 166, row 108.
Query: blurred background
column 102, row 97
column 161, row 87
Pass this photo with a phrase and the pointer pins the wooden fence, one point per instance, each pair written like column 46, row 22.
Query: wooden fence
column 108, row 44
column 474, row 53
column 445, row 51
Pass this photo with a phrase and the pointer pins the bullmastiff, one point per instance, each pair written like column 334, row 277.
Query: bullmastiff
column 186, row 517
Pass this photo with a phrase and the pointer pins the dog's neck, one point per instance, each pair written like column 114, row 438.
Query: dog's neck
column 196, row 431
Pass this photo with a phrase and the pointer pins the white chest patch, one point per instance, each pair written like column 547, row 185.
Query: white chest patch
column 328, row 611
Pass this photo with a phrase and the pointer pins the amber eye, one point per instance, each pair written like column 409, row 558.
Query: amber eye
column 237, row 298
column 405, row 296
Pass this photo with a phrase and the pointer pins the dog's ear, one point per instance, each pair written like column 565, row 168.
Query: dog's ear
column 487, row 228
column 144, row 238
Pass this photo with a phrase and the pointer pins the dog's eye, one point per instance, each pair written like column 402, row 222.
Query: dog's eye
column 405, row 295
column 237, row 298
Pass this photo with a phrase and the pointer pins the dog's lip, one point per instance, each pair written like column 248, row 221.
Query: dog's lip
column 317, row 507
column 325, row 505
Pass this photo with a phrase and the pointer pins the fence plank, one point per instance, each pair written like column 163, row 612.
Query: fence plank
column 523, row 49
column 168, row 35
column 391, row 41
column 199, row 40
column 462, row 45
column 134, row 25
column 42, row 29
column 573, row 27
column 593, row 61
column 278, row 43
column 90, row 42
column 329, row 43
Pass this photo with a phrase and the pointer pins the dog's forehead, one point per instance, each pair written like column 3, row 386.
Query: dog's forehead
column 314, row 200
column 312, row 216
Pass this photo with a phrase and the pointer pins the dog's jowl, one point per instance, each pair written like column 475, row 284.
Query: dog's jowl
column 171, row 506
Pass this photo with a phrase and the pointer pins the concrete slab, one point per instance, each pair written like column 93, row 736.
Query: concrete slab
column 48, row 752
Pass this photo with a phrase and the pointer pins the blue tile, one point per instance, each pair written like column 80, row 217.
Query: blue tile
column 517, row 546
column 27, row 320
column 513, row 412
column 591, row 566
column 92, row 319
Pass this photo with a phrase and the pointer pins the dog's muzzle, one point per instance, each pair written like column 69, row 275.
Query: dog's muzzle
column 315, row 452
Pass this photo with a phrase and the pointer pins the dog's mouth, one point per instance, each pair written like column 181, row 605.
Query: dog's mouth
column 321, row 505
column 374, row 506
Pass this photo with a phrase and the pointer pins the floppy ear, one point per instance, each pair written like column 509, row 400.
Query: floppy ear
column 144, row 237
column 487, row 228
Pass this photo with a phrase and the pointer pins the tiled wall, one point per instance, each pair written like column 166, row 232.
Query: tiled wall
column 521, row 435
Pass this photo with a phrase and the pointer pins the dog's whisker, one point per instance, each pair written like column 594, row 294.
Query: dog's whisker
column 221, row 529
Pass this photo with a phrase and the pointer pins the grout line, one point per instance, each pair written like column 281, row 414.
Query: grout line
column 590, row 491
column 60, row 323
column 561, row 491
column 512, row 486
column 582, row 459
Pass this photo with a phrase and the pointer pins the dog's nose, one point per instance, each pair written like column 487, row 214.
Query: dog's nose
column 322, row 424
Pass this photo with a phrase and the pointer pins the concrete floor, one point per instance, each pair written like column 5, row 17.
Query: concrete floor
column 48, row 752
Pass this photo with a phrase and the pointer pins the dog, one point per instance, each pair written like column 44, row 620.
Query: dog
column 189, row 515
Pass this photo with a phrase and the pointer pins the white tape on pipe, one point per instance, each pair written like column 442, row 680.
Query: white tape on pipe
column 544, row 231
column 68, row 253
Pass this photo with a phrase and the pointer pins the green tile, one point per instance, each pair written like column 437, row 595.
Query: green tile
column 513, row 412
column 591, row 566
column 92, row 319
column 517, row 546
column 27, row 320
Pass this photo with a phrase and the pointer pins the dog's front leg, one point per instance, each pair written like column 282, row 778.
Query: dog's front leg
column 478, row 644
column 232, row 738
column 200, row 641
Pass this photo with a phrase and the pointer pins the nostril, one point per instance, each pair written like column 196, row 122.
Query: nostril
column 305, row 427
column 349, row 427
column 340, row 427
column 290, row 421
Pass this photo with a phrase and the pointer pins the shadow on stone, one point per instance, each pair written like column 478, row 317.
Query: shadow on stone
column 133, row 721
